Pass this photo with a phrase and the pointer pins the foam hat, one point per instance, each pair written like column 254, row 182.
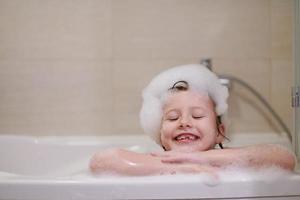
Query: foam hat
column 197, row 76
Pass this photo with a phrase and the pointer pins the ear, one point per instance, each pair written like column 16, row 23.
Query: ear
column 221, row 133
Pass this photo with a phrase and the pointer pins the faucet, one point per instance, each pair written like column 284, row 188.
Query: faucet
column 207, row 62
column 227, row 80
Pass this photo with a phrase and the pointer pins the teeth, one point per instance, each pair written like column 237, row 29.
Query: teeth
column 186, row 137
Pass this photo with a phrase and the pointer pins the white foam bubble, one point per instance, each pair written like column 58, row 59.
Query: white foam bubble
column 221, row 176
column 237, row 173
column 199, row 78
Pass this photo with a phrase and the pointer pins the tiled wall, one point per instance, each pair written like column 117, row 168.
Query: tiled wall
column 72, row 67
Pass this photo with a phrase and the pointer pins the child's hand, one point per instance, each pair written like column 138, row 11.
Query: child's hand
column 181, row 157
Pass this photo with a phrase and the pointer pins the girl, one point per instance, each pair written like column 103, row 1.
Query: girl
column 182, row 111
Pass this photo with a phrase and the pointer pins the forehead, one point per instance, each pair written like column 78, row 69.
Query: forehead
column 188, row 98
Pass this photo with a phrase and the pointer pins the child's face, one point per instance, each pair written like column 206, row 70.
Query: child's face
column 189, row 123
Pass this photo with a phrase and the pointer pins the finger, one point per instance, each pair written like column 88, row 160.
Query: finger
column 155, row 153
column 174, row 160
column 160, row 154
column 183, row 159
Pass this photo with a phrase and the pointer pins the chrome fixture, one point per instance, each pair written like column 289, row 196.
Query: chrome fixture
column 227, row 80
column 296, row 96
column 207, row 63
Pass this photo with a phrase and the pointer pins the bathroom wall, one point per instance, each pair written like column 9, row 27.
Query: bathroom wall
column 73, row 67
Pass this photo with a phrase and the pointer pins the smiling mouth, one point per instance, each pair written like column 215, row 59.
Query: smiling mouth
column 186, row 137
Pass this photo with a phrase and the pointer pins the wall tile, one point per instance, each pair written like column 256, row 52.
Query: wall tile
column 282, row 82
column 282, row 29
column 190, row 28
column 255, row 72
column 246, row 113
column 73, row 67
column 65, row 29
column 59, row 97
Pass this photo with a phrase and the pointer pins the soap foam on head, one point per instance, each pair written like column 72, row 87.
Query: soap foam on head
column 198, row 77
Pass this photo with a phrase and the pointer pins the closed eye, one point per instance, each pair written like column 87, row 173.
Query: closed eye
column 172, row 115
column 198, row 117
column 172, row 119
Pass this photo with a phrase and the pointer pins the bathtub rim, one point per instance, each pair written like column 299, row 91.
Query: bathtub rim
column 130, row 188
column 135, row 189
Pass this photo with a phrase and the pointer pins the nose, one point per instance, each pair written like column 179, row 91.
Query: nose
column 185, row 122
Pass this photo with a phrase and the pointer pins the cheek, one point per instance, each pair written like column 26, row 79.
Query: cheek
column 166, row 133
column 209, row 123
column 167, row 128
column 208, row 128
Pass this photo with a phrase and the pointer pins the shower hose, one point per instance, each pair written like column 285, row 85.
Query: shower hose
column 262, row 100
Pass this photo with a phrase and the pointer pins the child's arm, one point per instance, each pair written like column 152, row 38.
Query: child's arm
column 125, row 162
column 250, row 156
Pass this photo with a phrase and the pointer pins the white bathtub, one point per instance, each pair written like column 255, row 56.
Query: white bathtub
column 57, row 168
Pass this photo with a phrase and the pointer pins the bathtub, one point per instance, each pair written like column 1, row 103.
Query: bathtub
column 57, row 168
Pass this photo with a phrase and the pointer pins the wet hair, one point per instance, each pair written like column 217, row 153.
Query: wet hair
column 180, row 86
column 183, row 85
column 218, row 123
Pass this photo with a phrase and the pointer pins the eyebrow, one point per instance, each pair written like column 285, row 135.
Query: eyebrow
column 172, row 110
column 203, row 108
column 199, row 107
